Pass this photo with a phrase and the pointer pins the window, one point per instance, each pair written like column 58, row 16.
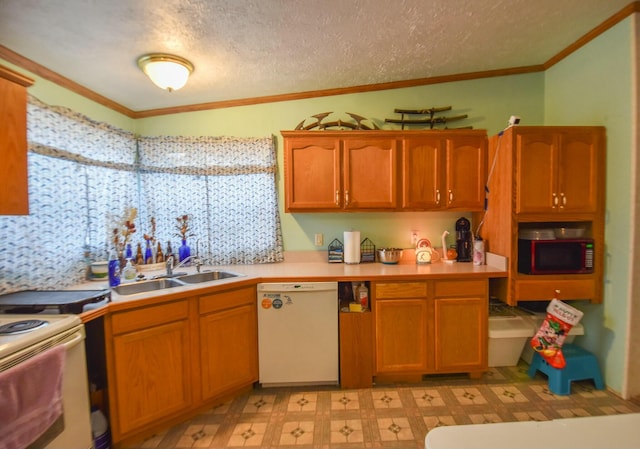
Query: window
column 83, row 175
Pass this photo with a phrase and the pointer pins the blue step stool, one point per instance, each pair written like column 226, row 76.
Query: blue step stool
column 581, row 365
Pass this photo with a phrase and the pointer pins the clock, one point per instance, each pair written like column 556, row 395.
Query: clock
column 423, row 255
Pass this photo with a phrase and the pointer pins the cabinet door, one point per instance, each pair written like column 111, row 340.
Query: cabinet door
column 312, row 174
column 578, row 165
column 152, row 375
column 465, row 172
column 370, row 173
column 536, row 168
column 356, row 350
column 229, row 350
column 14, row 199
column 460, row 334
column 401, row 335
column 422, row 173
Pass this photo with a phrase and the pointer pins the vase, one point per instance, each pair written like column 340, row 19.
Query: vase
column 128, row 253
column 148, row 254
column 184, row 251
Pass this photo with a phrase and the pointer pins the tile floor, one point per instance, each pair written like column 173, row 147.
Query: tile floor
column 393, row 416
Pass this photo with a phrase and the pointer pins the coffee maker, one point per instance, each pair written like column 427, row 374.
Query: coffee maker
column 464, row 240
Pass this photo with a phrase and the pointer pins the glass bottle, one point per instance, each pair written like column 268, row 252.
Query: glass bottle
column 148, row 253
column 128, row 254
column 139, row 255
column 169, row 252
column 159, row 254
column 184, row 251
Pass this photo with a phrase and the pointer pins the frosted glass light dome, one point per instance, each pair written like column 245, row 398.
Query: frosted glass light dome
column 168, row 72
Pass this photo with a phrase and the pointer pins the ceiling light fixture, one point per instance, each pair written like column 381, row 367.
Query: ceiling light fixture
column 168, row 72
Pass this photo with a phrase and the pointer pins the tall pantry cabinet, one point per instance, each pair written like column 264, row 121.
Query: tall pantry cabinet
column 545, row 177
column 14, row 195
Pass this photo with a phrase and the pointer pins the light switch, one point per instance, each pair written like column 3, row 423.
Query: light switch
column 319, row 240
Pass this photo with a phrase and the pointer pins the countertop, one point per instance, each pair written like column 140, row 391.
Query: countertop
column 297, row 267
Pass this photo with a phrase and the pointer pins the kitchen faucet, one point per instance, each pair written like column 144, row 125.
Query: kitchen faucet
column 169, row 264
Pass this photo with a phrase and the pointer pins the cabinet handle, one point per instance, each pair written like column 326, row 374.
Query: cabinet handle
column 346, row 197
column 450, row 196
column 337, row 197
column 555, row 200
column 563, row 200
column 437, row 196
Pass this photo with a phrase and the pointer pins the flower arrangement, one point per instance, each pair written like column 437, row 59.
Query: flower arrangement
column 151, row 237
column 123, row 229
column 183, row 228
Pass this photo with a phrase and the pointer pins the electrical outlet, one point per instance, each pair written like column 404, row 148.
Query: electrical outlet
column 415, row 236
column 318, row 240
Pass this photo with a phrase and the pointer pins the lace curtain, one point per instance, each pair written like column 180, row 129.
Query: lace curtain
column 84, row 174
column 226, row 186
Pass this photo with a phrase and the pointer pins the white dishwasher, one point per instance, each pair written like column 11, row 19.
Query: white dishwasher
column 298, row 333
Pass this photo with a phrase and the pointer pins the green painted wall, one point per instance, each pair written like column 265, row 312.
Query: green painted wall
column 487, row 102
column 595, row 86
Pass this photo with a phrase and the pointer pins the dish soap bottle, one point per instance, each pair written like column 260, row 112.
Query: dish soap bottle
column 129, row 272
column 114, row 270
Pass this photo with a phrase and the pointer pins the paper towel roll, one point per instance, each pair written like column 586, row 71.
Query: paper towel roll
column 352, row 247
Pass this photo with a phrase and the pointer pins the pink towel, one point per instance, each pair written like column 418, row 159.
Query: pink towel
column 31, row 398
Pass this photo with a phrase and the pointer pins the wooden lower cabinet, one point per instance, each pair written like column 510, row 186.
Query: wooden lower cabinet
column 356, row 350
column 168, row 361
column 228, row 341
column 430, row 327
column 150, row 361
column 401, row 335
column 461, row 326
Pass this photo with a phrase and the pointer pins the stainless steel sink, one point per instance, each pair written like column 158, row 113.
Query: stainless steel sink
column 147, row 286
column 207, row 276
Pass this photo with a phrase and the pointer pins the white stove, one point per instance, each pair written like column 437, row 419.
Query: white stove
column 36, row 333
column 51, row 326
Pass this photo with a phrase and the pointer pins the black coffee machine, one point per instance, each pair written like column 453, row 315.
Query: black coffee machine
column 464, row 240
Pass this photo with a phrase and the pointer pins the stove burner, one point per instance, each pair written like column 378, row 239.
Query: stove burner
column 18, row 327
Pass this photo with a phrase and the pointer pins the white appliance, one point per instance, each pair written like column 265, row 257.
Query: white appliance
column 37, row 333
column 298, row 333
column 586, row 432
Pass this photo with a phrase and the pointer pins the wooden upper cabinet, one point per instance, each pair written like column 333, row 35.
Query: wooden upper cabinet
column 312, row 173
column 444, row 170
column 384, row 170
column 423, row 176
column 557, row 172
column 370, row 173
column 466, row 171
column 14, row 194
column 342, row 170
column 546, row 177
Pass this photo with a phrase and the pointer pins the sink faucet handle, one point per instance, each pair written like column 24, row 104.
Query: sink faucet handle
column 169, row 265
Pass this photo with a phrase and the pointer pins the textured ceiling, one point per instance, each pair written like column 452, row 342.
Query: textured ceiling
column 254, row 48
